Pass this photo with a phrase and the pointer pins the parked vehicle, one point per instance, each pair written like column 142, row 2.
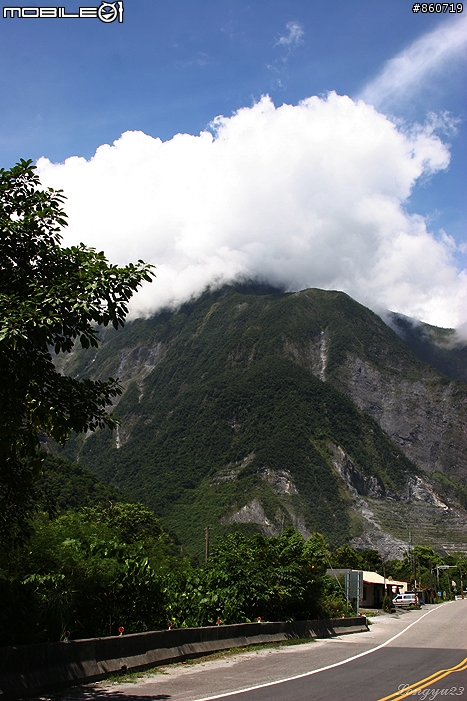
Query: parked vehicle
column 406, row 600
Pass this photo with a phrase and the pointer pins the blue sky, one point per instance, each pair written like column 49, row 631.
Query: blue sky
column 70, row 85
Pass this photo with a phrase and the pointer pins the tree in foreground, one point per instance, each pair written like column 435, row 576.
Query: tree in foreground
column 50, row 298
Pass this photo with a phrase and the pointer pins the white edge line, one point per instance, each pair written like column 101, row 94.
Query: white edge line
column 321, row 669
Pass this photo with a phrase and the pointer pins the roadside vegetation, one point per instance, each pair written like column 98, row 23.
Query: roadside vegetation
column 445, row 573
column 94, row 562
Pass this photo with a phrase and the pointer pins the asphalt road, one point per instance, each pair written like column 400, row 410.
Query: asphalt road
column 397, row 651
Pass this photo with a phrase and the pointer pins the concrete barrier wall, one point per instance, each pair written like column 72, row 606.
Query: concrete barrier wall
column 27, row 670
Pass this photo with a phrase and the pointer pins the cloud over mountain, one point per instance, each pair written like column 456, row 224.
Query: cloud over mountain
column 310, row 195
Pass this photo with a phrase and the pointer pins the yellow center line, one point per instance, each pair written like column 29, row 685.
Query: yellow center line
column 418, row 686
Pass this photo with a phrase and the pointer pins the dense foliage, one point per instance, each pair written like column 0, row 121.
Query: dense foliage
column 347, row 557
column 78, row 573
column 93, row 570
column 50, row 298
column 420, row 564
column 63, row 485
column 96, row 563
column 83, row 562
column 279, row 578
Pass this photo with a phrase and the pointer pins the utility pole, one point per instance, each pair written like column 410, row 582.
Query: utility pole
column 409, row 552
column 206, row 556
column 431, row 582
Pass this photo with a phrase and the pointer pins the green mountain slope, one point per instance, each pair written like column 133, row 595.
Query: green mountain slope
column 442, row 348
column 246, row 410
column 64, row 485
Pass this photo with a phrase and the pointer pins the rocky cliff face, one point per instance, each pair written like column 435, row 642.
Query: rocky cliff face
column 425, row 417
column 390, row 521
column 423, row 411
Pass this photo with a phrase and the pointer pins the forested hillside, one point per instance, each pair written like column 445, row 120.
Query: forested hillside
column 253, row 409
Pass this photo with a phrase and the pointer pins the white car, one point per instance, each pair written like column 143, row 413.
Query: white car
column 410, row 599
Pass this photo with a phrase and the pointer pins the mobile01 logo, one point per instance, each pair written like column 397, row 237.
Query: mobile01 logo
column 107, row 12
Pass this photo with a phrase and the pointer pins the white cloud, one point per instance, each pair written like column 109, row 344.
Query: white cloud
column 294, row 37
column 310, row 195
column 411, row 70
